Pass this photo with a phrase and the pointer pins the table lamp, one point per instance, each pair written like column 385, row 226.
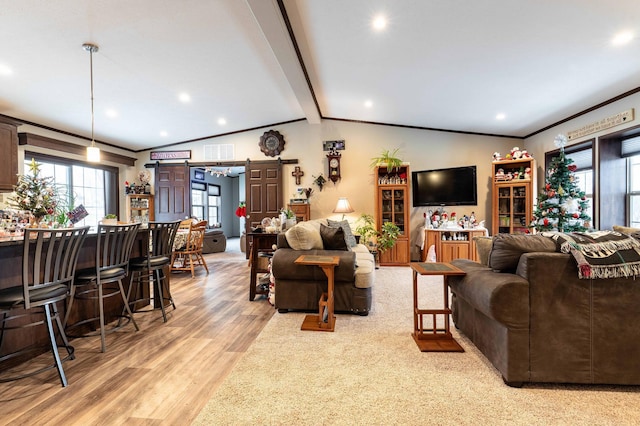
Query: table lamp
column 343, row 207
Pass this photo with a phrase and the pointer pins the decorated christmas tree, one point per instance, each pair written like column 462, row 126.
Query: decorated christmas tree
column 561, row 205
column 34, row 193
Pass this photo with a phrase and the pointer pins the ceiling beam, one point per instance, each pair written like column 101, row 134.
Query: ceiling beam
column 272, row 24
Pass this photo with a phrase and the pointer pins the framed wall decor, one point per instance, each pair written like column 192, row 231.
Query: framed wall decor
column 170, row 155
column 333, row 145
column 198, row 175
column 271, row 143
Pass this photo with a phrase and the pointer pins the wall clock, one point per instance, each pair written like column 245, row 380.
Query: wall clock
column 334, row 166
column 271, row 143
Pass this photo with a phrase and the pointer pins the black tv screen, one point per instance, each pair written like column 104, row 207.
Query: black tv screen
column 450, row 187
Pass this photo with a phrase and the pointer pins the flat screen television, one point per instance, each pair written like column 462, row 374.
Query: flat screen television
column 456, row 186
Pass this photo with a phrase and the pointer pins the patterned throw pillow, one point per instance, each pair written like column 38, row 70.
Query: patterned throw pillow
column 333, row 238
column 351, row 240
column 304, row 236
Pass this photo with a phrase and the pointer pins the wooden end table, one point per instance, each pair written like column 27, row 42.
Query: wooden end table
column 261, row 242
column 432, row 339
column 325, row 320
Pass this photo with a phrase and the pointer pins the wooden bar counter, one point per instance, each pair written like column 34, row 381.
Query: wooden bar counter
column 10, row 275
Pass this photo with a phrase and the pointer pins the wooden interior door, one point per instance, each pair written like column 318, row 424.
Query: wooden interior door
column 264, row 196
column 172, row 192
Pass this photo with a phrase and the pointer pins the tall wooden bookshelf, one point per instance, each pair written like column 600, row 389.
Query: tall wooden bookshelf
column 513, row 195
column 140, row 208
column 392, row 205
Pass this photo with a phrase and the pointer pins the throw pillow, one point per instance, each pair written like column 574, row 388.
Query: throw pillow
column 333, row 238
column 351, row 240
column 303, row 236
column 483, row 248
column 507, row 249
column 626, row 230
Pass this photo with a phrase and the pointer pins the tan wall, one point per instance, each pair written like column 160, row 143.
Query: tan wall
column 544, row 142
column 423, row 149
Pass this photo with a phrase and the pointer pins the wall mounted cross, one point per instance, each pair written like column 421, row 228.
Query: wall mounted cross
column 297, row 173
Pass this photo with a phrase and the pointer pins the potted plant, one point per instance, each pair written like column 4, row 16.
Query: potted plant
column 387, row 159
column 366, row 230
column 320, row 181
column 388, row 236
column 288, row 218
column 110, row 219
column 381, row 240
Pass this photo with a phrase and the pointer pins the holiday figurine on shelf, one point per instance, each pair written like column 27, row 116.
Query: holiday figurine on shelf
column 561, row 205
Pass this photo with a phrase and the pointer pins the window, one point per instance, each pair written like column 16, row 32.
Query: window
column 205, row 202
column 198, row 200
column 214, row 206
column 634, row 190
column 582, row 156
column 631, row 150
column 95, row 187
column 583, row 160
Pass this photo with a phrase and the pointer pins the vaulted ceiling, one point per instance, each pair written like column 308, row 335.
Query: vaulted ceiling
column 172, row 71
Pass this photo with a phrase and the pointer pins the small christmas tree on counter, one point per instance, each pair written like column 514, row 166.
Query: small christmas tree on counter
column 561, row 205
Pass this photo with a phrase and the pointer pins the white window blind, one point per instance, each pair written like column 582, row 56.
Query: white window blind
column 631, row 146
column 582, row 159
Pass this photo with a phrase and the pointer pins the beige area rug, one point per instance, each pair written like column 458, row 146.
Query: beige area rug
column 370, row 371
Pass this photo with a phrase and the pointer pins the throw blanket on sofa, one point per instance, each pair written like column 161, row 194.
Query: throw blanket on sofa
column 600, row 254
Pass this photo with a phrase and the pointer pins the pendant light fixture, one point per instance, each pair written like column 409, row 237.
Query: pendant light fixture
column 93, row 152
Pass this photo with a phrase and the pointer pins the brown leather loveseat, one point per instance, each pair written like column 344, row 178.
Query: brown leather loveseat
column 299, row 287
column 536, row 321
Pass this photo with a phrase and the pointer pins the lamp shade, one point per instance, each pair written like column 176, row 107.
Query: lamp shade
column 343, row 206
column 93, row 154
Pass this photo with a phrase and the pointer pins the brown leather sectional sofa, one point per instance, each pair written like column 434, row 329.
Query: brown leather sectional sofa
column 536, row 321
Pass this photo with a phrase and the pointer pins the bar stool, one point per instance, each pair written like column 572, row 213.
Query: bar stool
column 49, row 259
column 113, row 251
column 150, row 269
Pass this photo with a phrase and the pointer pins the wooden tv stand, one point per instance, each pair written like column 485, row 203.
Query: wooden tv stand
column 451, row 243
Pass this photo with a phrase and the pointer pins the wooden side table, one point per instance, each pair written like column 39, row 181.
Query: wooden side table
column 432, row 339
column 302, row 211
column 325, row 320
column 261, row 242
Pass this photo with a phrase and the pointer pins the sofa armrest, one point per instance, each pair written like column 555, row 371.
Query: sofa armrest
column 503, row 297
column 281, row 241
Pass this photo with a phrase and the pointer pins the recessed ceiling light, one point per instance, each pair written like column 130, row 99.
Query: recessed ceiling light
column 163, row 133
column 184, row 97
column 222, row 121
column 379, row 23
column 5, row 70
column 622, row 38
column 500, row 116
column 111, row 113
column 368, row 104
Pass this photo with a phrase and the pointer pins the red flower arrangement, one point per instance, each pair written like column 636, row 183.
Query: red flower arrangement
column 241, row 211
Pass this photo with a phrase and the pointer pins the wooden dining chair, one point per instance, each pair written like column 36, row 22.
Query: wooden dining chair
column 49, row 259
column 188, row 257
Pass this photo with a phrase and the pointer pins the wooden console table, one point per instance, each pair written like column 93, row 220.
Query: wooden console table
column 325, row 320
column 432, row 339
column 452, row 244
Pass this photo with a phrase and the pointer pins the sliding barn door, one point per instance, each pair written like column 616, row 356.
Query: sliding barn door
column 172, row 192
column 263, row 192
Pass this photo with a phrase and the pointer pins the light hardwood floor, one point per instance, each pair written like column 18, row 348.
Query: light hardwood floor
column 164, row 373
